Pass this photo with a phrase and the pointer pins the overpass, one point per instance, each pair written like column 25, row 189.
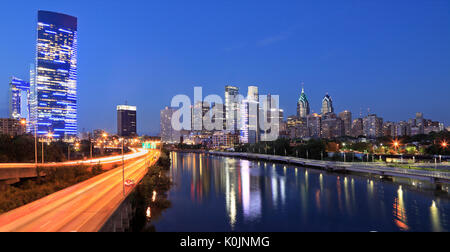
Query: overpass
column 11, row 173
column 84, row 207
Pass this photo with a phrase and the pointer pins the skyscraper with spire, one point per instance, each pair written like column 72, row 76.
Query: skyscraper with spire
column 327, row 105
column 303, row 108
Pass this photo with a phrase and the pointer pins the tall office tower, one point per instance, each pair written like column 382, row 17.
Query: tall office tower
column 314, row 123
column 253, row 114
column 198, row 112
column 346, row 117
column 357, row 127
column 54, row 79
column 232, row 106
column 168, row 134
column 373, row 126
column 303, row 108
column 218, row 114
column 19, row 95
column 126, row 121
column 420, row 121
column 274, row 117
column 327, row 105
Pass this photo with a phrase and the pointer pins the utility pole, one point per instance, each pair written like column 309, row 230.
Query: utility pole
column 42, row 151
column 123, row 168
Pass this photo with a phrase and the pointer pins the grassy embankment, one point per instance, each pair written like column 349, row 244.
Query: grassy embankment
column 56, row 179
column 156, row 181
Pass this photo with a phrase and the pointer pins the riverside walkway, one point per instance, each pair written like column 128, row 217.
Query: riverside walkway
column 368, row 168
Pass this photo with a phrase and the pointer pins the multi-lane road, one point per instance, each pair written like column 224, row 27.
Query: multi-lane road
column 84, row 207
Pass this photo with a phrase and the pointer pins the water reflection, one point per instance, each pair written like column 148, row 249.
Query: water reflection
column 225, row 194
column 400, row 211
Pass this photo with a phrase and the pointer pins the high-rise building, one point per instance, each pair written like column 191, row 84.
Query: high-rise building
column 346, row 117
column 303, row 108
column 389, row 129
column 250, row 117
column 402, row 129
column 314, row 122
column 357, row 127
column 54, row 78
column 19, row 92
column 373, row 126
column 232, row 106
column 198, row 112
column 126, row 121
column 168, row 134
column 332, row 126
column 327, row 105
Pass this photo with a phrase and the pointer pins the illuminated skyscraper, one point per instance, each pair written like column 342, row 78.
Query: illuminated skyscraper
column 54, row 79
column 19, row 92
column 168, row 134
column 126, row 120
column 303, row 109
column 249, row 124
column 346, row 117
column 232, row 107
column 327, row 105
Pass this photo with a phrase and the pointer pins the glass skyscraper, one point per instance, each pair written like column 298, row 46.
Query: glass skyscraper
column 54, row 78
column 19, row 91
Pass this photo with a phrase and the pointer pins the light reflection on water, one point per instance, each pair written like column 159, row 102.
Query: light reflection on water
column 226, row 194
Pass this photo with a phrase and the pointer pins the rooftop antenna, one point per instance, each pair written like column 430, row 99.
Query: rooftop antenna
column 303, row 86
column 360, row 112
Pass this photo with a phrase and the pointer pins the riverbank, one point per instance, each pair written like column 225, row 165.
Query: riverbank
column 56, row 179
column 440, row 179
column 146, row 203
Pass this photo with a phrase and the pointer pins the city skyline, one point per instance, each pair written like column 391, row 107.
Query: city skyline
column 396, row 82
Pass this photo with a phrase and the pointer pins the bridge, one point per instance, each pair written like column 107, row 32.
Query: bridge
column 11, row 173
column 84, row 207
column 380, row 169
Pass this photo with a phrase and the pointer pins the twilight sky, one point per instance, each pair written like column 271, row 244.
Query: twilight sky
column 390, row 56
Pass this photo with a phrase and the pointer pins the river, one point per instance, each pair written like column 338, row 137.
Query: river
column 212, row 193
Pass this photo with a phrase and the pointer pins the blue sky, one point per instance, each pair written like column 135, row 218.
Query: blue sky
column 390, row 56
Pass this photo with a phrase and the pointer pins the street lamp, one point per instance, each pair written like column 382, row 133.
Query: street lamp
column 49, row 136
column 24, row 122
column 444, row 144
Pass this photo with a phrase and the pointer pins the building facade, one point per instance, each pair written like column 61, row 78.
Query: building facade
column 19, row 95
column 126, row 121
column 346, row 117
column 357, row 127
column 11, row 127
column 327, row 105
column 373, row 126
column 303, row 108
column 232, row 106
column 54, row 78
column 168, row 134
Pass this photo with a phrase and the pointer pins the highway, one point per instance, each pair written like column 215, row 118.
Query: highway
column 84, row 207
column 104, row 160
